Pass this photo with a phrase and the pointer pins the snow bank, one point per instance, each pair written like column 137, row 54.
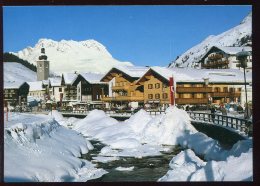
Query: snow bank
column 172, row 128
column 143, row 135
column 182, row 166
column 138, row 121
column 186, row 166
column 168, row 128
column 95, row 121
column 58, row 117
column 45, row 151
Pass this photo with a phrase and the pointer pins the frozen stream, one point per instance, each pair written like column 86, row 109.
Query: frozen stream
column 145, row 169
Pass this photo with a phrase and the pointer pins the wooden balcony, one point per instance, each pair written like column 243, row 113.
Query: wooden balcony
column 123, row 98
column 225, row 94
column 191, row 101
column 215, row 64
column 125, row 87
column 215, row 56
column 194, row 89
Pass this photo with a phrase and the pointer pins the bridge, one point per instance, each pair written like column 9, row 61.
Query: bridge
column 226, row 129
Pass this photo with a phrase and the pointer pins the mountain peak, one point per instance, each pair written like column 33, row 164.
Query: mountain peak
column 240, row 35
column 248, row 18
column 69, row 55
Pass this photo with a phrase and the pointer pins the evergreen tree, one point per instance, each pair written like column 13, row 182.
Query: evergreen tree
column 8, row 57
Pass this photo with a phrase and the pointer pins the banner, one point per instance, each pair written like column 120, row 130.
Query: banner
column 171, row 90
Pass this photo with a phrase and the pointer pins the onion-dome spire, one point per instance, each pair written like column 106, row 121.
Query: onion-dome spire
column 42, row 56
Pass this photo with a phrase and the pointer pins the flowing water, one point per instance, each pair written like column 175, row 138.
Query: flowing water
column 145, row 169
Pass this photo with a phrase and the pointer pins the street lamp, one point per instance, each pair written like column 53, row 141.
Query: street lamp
column 242, row 58
column 206, row 81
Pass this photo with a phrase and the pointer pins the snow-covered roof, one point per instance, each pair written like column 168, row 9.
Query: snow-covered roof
column 198, row 75
column 55, row 82
column 36, row 86
column 13, row 84
column 234, row 50
column 92, row 78
column 45, row 82
column 132, row 71
column 69, row 78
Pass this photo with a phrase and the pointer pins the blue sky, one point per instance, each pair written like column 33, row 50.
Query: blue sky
column 144, row 35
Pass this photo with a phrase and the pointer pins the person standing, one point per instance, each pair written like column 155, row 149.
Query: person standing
column 212, row 111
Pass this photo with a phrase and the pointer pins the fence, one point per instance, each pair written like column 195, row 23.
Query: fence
column 242, row 125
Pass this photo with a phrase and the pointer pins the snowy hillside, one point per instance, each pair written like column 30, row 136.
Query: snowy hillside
column 18, row 73
column 70, row 56
column 236, row 36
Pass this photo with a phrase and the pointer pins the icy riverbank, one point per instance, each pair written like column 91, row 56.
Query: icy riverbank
column 144, row 135
column 42, row 148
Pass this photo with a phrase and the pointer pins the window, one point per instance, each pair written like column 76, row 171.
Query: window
column 150, row 86
column 232, row 90
column 239, row 89
column 157, row 85
column 78, row 90
column 165, row 95
column 216, row 89
column 165, row 85
column 225, row 89
column 150, row 96
column 60, row 89
column 157, row 96
column 40, row 65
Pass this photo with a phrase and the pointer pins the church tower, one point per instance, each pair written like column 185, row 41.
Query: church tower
column 43, row 68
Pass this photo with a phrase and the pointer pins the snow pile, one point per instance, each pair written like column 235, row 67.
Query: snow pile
column 69, row 56
column 186, row 166
column 143, row 135
column 43, row 150
column 168, row 128
column 182, row 166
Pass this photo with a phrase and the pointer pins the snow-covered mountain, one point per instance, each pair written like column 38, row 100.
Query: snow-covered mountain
column 237, row 36
column 70, row 56
column 16, row 72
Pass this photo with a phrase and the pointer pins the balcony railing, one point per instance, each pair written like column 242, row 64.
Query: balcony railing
column 123, row 98
column 226, row 94
column 193, row 89
column 125, row 87
column 215, row 64
column 191, row 100
column 215, row 56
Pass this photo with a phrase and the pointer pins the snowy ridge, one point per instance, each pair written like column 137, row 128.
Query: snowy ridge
column 15, row 74
column 231, row 37
column 70, row 56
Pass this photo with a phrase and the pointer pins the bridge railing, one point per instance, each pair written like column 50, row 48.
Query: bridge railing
column 243, row 125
